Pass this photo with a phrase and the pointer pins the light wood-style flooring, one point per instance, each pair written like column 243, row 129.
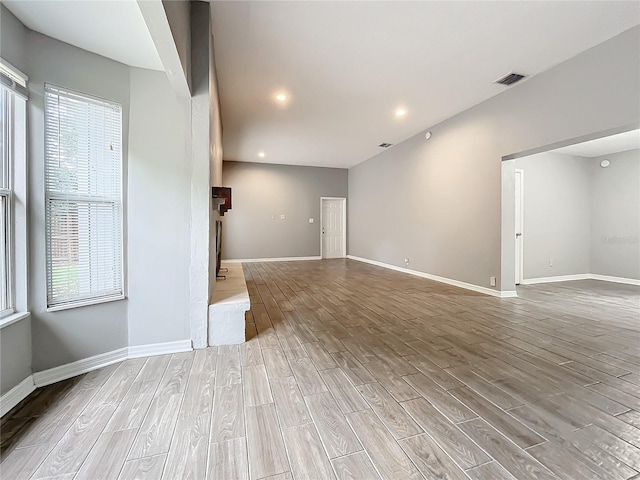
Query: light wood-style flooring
column 356, row 372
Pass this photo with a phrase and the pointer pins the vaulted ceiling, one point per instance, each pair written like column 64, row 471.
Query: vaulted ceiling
column 347, row 67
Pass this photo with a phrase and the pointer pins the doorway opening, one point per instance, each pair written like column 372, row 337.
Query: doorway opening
column 333, row 227
column 577, row 216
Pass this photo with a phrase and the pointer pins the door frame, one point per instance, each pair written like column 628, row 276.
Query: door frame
column 344, row 224
column 519, row 254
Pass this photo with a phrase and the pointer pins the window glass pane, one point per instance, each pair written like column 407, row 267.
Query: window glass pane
column 83, row 162
column 83, row 144
column 5, row 239
column 4, row 137
column 83, row 250
column 4, row 266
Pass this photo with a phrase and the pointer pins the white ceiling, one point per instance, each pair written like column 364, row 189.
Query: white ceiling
column 348, row 65
column 621, row 142
column 113, row 29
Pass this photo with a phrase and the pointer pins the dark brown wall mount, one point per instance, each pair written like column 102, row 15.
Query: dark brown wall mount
column 221, row 197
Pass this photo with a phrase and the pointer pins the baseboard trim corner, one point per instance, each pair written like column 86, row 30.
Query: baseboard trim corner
column 275, row 259
column 436, row 278
column 150, row 350
column 63, row 372
column 14, row 396
column 57, row 374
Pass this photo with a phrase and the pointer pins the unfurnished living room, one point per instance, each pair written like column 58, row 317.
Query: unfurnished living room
column 319, row 240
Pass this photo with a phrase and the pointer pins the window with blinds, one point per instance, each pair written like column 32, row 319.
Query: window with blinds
column 13, row 234
column 6, row 128
column 83, row 195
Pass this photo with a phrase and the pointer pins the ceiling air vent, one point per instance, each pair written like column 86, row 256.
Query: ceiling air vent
column 385, row 145
column 510, row 78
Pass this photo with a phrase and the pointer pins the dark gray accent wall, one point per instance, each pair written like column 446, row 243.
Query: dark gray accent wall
column 438, row 202
column 261, row 194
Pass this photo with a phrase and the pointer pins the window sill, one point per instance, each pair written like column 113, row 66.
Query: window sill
column 84, row 303
column 13, row 318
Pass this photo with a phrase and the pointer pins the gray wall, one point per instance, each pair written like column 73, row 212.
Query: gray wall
column 557, row 214
column 158, row 209
column 438, row 202
column 13, row 35
column 68, row 335
column 615, row 215
column 158, row 187
column 583, row 217
column 179, row 18
column 202, row 136
column 15, row 339
column 261, row 192
column 15, row 354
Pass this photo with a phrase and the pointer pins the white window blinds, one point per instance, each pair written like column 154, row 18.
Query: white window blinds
column 83, row 170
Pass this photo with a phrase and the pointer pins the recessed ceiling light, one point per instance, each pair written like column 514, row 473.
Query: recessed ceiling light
column 401, row 112
column 261, row 154
column 281, row 97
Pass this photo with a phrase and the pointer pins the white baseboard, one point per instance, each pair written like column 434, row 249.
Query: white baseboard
column 448, row 281
column 159, row 349
column 507, row 294
column 57, row 374
column 606, row 278
column 581, row 276
column 278, row 259
column 16, row 395
column 558, row 278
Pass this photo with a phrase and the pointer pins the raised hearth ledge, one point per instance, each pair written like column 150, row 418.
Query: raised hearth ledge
column 227, row 306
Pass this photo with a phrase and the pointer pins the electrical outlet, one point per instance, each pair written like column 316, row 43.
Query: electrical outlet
column 551, row 263
column 406, row 262
column 311, row 220
column 492, row 281
column 283, row 216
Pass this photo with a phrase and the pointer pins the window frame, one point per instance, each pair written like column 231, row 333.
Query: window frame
column 13, row 87
column 6, row 192
column 75, row 302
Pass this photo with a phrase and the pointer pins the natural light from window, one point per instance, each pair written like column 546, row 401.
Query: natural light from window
column 83, row 170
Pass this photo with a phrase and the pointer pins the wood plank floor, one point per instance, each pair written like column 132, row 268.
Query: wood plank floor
column 356, row 372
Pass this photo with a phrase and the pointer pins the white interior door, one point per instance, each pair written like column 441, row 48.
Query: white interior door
column 333, row 234
column 519, row 204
